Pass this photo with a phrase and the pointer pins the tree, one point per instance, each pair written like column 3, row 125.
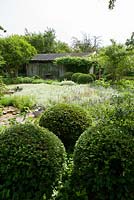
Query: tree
column 1, row 28
column 87, row 44
column 111, row 4
column 2, row 62
column 115, row 60
column 62, row 47
column 130, row 42
column 43, row 42
column 46, row 42
column 16, row 51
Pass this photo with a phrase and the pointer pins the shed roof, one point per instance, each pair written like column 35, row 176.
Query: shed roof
column 53, row 56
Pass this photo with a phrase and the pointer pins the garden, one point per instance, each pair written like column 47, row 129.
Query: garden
column 71, row 138
column 65, row 140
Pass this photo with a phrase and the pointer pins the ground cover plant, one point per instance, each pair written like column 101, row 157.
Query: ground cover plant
column 46, row 94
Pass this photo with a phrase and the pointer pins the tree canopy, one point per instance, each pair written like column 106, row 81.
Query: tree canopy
column 116, row 60
column 86, row 44
column 46, row 42
column 111, row 4
column 15, row 51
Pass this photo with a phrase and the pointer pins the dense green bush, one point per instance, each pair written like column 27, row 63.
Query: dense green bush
column 75, row 76
column 93, row 76
column 66, row 76
column 84, row 79
column 66, row 121
column 75, row 64
column 31, row 162
column 104, row 164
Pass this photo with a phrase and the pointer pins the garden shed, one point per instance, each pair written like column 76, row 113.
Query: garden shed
column 43, row 65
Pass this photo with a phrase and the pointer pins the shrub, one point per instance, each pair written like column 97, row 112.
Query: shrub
column 66, row 76
column 104, row 164
column 84, row 79
column 75, row 76
column 32, row 161
column 66, row 121
column 123, row 113
column 102, row 83
column 93, row 76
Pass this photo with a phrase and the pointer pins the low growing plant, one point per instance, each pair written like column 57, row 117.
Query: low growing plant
column 21, row 102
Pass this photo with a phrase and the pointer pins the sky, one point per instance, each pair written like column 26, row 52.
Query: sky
column 69, row 18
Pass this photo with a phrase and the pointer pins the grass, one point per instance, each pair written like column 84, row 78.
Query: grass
column 20, row 102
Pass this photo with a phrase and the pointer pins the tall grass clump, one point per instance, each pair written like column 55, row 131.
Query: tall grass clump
column 20, row 102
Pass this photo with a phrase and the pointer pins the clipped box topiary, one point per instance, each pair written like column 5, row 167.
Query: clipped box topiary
column 104, row 164
column 75, row 76
column 84, row 79
column 31, row 162
column 66, row 121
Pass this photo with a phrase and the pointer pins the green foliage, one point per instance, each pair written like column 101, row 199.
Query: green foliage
column 21, row 102
column 66, row 121
column 18, row 80
column 66, row 76
column 104, row 163
column 130, row 42
column 46, row 42
column 75, row 64
column 3, row 88
column 122, row 115
column 124, row 84
column 37, row 81
column 116, row 60
column 84, row 79
column 62, row 47
column 75, row 76
column 2, row 62
column 16, row 51
column 93, row 76
column 32, row 161
column 102, row 82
